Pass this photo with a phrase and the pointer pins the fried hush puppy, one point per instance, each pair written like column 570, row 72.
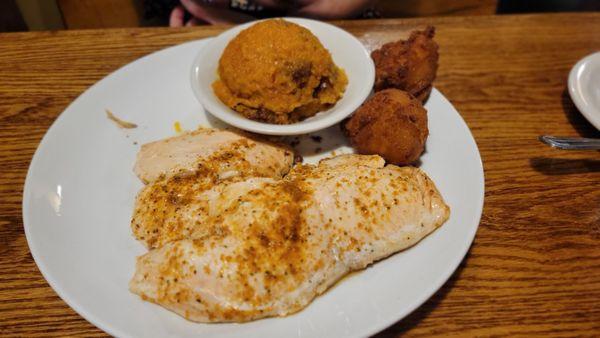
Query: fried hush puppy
column 393, row 124
column 408, row 65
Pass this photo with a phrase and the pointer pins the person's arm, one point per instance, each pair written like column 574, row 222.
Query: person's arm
column 206, row 11
column 331, row 9
column 218, row 11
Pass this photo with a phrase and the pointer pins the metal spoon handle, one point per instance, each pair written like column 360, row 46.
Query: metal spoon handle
column 571, row 143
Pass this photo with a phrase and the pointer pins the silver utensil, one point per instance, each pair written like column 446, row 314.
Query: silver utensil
column 571, row 143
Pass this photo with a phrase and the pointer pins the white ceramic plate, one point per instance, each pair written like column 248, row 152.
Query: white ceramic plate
column 584, row 87
column 357, row 64
column 80, row 190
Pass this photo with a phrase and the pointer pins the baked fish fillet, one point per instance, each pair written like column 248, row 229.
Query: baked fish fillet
column 266, row 247
column 223, row 152
column 179, row 168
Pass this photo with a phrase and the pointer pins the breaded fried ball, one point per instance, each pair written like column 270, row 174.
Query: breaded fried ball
column 408, row 65
column 392, row 124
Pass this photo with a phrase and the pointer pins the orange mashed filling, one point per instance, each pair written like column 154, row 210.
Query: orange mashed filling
column 278, row 72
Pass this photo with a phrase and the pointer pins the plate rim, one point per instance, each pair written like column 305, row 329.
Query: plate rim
column 114, row 331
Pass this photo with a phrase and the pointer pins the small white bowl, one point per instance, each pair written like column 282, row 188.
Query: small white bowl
column 347, row 52
column 584, row 87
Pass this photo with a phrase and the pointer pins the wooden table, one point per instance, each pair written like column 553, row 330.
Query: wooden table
column 534, row 268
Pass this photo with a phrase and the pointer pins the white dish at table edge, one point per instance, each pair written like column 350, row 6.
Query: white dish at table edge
column 584, row 87
column 80, row 188
column 358, row 65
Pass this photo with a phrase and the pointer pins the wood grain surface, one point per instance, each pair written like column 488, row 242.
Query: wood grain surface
column 534, row 268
